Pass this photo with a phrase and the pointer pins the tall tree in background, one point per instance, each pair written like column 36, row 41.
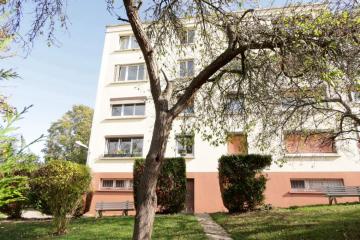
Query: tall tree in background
column 74, row 125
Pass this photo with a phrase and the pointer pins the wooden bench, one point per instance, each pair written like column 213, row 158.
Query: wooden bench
column 341, row 191
column 101, row 207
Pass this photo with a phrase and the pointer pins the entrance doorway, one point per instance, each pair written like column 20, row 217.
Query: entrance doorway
column 189, row 202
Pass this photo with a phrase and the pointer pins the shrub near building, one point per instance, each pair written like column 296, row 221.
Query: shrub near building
column 171, row 185
column 59, row 187
column 241, row 183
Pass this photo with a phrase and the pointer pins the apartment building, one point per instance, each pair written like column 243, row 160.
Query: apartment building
column 123, row 125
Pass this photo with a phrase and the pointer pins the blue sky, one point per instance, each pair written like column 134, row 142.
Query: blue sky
column 55, row 78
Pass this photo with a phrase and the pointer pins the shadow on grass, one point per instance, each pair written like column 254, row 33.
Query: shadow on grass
column 322, row 222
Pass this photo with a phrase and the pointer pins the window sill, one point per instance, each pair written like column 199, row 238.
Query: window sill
column 188, row 157
column 126, row 117
column 114, row 190
column 128, row 82
column 186, row 115
column 127, row 50
column 119, row 158
column 306, row 155
column 306, row 192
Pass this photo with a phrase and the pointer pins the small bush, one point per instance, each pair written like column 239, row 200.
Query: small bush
column 241, row 182
column 171, row 186
column 14, row 184
column 59, row 187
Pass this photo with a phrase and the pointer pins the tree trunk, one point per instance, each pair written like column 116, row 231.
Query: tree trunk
column 146, row 193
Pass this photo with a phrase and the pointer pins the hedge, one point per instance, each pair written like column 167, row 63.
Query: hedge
column 171, row 186
column 241, row 182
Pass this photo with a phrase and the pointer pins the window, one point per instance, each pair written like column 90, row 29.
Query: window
column 234, row 104
column 117, row 184
column 185, row 145
column 133, row 109
column 189, row 110
column 237, row 144
column 309, row 143
column 124, row 147
column 128, row 42
column 186, row 68
column 355, row 97
column 130, row 72
column 314, row 185
column 188, row 37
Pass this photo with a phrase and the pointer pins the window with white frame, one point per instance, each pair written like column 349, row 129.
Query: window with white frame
column 188, row 37
column 186, row 68
column 130, row 109
column 124, row 146
column 185, row 145
column 135, row 72
column 234, row 104
column 128, row 42
column 117, row 184
column 314, row 185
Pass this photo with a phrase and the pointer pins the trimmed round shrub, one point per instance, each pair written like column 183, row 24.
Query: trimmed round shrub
column 59, row 187
column 241, row 183
column 171, row 185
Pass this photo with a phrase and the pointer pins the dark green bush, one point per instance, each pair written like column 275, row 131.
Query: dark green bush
column 15, row 173
column 171, row 186
column 60, row 187
column 241, row 182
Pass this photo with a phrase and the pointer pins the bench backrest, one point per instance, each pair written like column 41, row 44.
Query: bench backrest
column 114, row 205
column 343, row 191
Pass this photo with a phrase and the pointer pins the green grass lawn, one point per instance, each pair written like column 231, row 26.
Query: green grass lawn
column 307, row 223
column 166, row 227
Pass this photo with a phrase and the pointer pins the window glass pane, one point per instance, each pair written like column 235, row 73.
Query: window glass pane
column 182, row 69
column 321, row 184
column 141, row 72
column 235, row 105
column 191, row 35
column 132, row 72
column 137, row 146
column 140, row 109
column 130, row 184
column 237, row 144
column 128, row 109
column 125, row 146
column 297, row 184
column 107, row 183
column 190, row 68
column 134, row 43
column 112, row 145
column 116, row 110
column 122, row 74
column 124, row 42
column 120, row 183
column 185, row 145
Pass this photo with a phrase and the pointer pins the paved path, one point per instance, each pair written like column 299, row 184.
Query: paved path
column 212, row 230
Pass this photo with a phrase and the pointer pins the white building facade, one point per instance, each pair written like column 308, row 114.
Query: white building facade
column 123, row 125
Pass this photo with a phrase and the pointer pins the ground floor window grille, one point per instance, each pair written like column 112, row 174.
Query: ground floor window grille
column 314, row 185
column 117, row 184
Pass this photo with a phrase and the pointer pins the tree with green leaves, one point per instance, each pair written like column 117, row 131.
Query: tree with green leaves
column 16, row 165
column 243, row 52
column 74, row 125
column 238, row 47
